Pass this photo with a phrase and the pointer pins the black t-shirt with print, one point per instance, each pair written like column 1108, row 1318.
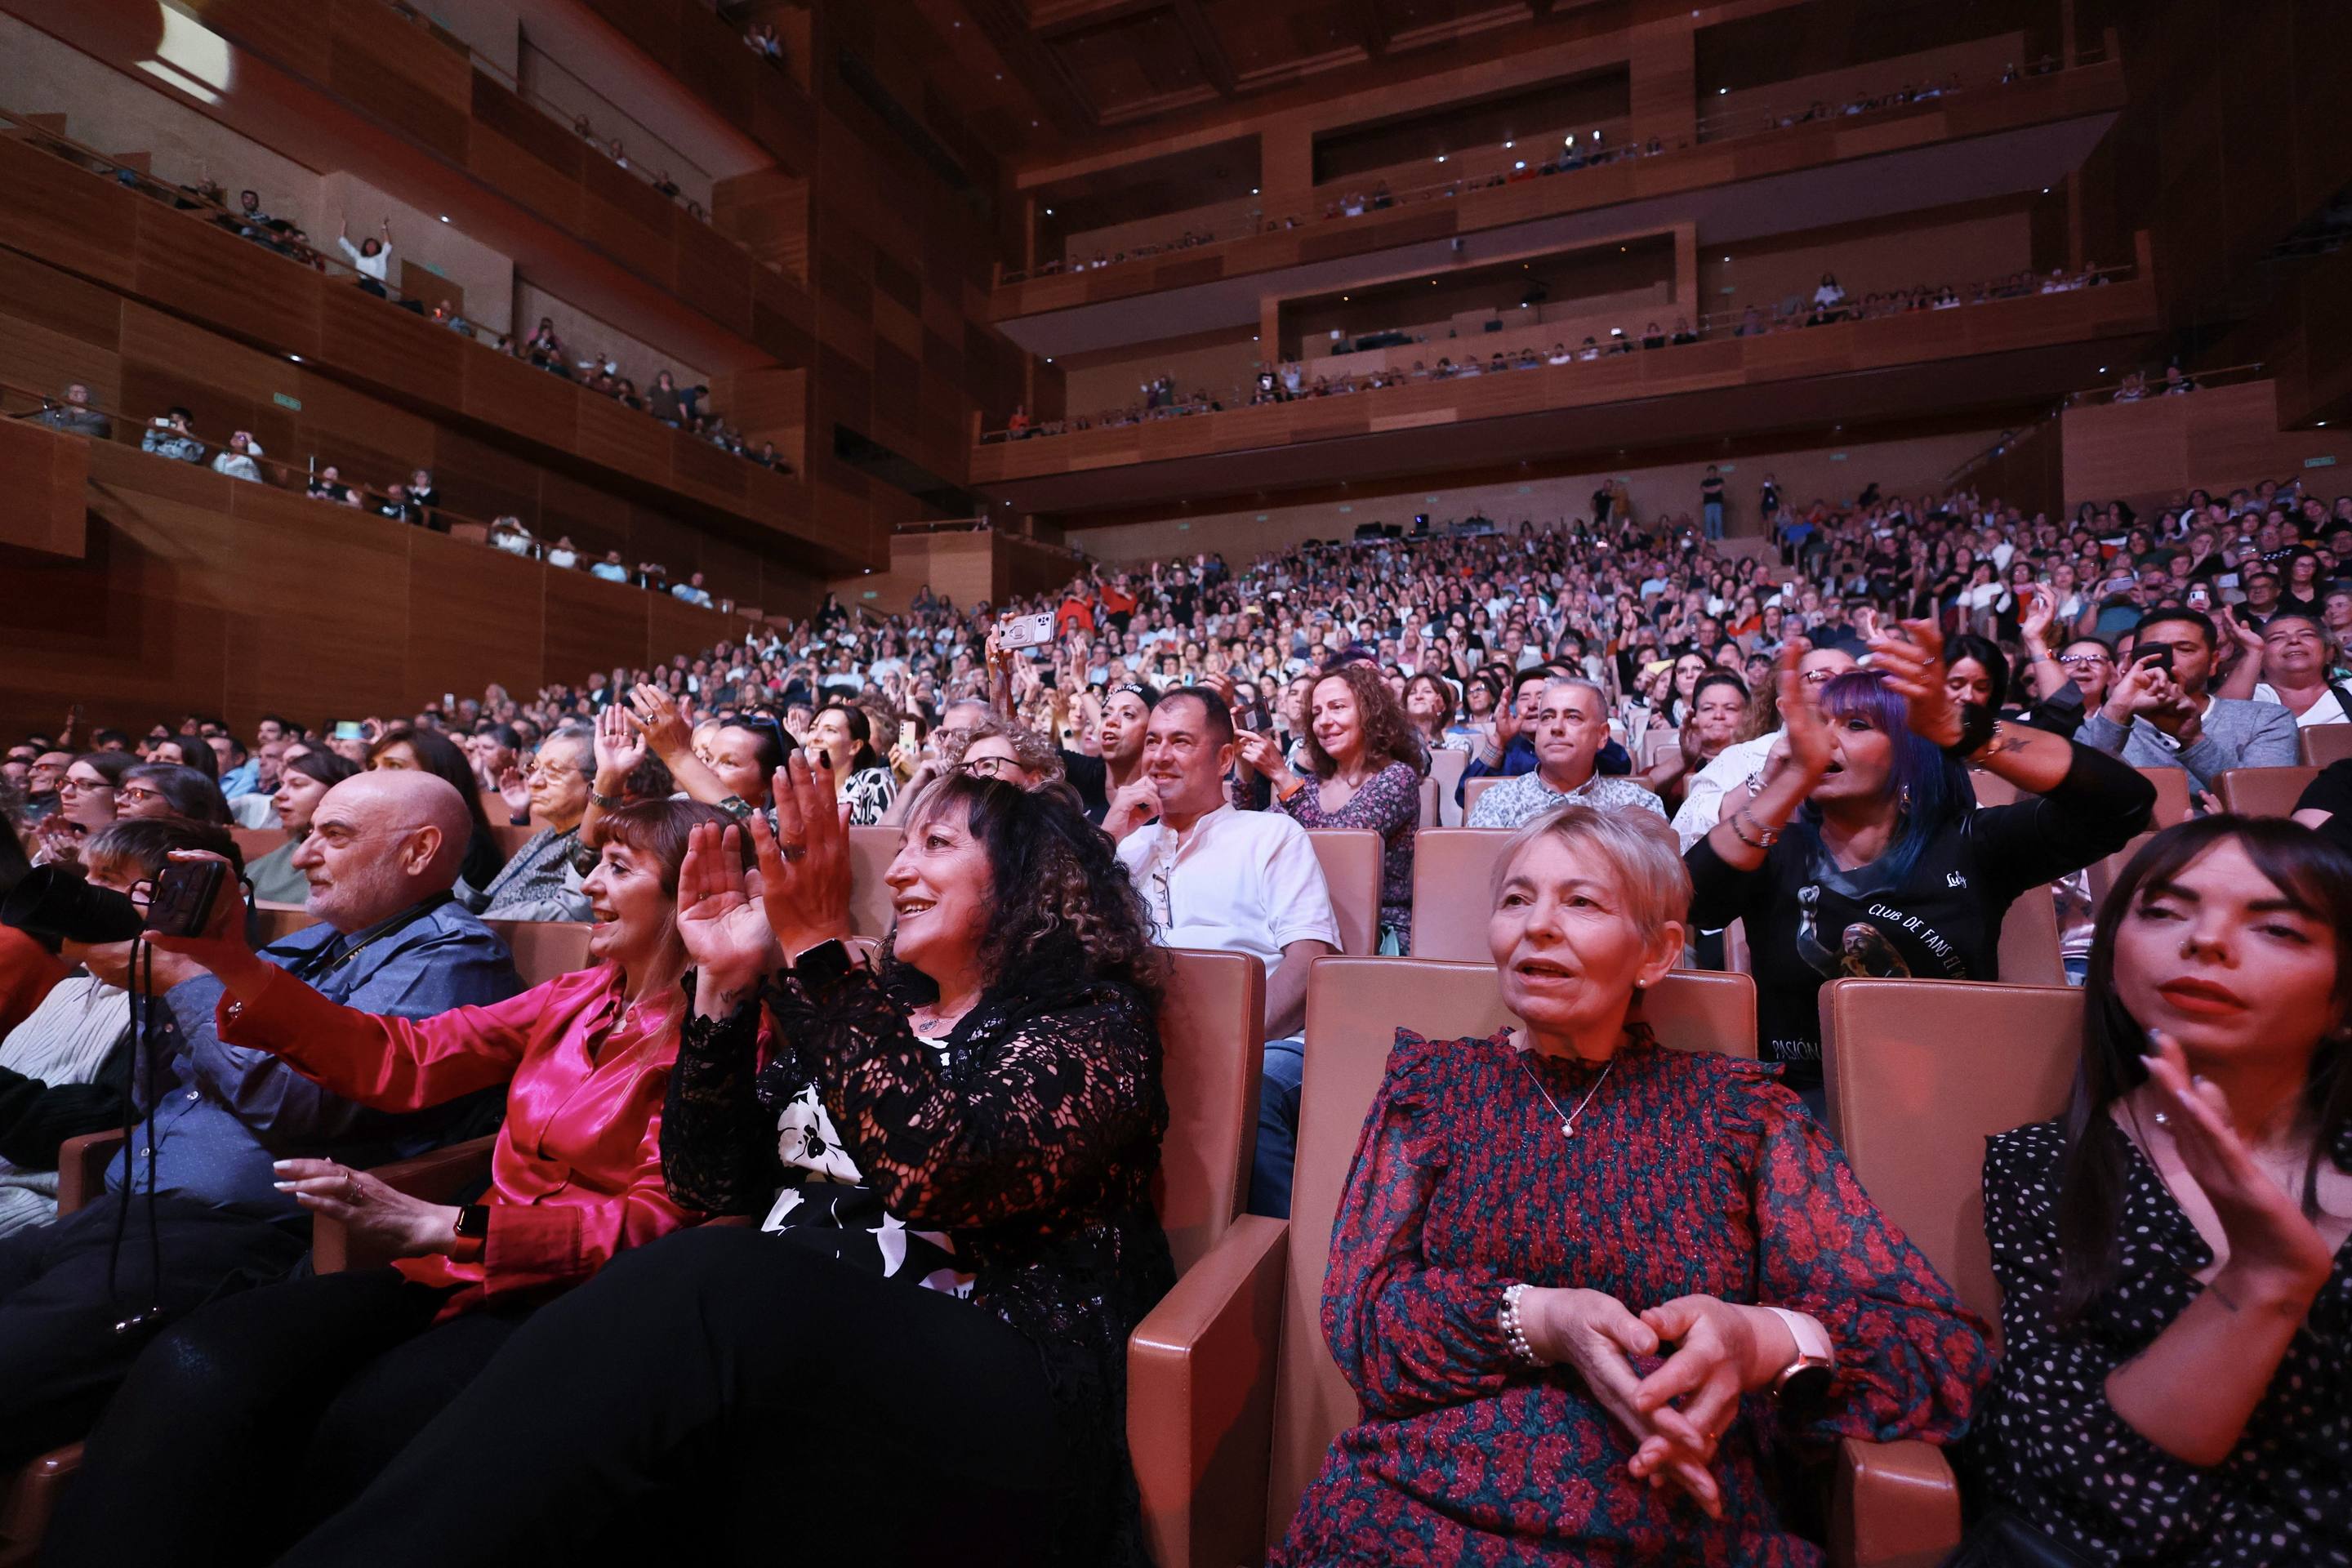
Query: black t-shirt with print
column 2331, row 791
column 1807, row 923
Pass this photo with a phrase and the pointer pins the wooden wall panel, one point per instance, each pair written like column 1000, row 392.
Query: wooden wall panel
column 43, row 473
column 403, row 353
column 396, row 72
column 484, row 620
column 299, row 645
column 595, row 625
column 54, row 209
column 2218, row 438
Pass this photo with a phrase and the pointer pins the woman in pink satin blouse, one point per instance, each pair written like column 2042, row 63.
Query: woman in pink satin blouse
column 337, row 1371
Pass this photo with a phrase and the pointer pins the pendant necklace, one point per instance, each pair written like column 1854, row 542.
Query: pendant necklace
column 1568, row 1121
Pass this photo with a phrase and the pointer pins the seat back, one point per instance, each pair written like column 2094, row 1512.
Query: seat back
column 2265, row 791
column 1211, row 1026
column 1472, row 790
column 1350, row 858
column 509, row 837
column 1428, row 817
column 1453, row 891
column 276, row 922
column 544, row 949
column 2030, row 952
column 1445, row 771
column 1920, row 1072
column 1354, row 1008
column 253, row 843
column 2172, row 810
column 2325, row 743
column 871, row 850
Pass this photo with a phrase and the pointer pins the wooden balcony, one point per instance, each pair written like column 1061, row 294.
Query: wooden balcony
column 2090, row 90
column 146, row 252
column 1926, row 362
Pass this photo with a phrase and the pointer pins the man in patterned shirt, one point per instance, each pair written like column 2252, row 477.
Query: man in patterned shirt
column 1571, row 726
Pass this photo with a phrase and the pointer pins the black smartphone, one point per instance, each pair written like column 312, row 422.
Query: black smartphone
column 2157, row 657
column 182, row 900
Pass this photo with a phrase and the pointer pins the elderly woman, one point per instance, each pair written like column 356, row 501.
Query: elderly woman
column 929, row 1331
column 303, row 780
column 542, row 881
column 2172, row 1252
column 987, row 747
column 336, row 1372
column 1504, row 1278
column 1366, row 766
column 1861, row 850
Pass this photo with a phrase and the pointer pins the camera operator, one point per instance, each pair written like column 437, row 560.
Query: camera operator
column 382, row 852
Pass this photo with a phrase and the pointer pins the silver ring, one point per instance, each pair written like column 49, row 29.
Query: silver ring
column 2163, row 1119
column 351, row 1190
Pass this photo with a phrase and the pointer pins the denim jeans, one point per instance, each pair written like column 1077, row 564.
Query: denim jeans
column 1278, row 1127
column 1713, row 511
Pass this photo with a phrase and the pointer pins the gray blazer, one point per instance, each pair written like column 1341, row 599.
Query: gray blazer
column 2236, row 735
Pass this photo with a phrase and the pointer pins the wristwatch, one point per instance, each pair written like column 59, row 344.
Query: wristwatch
column 474, row 1222
column 1805, row 1380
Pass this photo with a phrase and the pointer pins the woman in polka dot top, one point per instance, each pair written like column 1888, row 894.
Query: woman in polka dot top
column 2176, row 1386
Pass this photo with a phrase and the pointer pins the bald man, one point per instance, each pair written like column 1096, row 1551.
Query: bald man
column 383, row 853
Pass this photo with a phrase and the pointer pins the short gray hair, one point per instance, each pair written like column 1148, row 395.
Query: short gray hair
column 1599, row 696
column 1642, row 853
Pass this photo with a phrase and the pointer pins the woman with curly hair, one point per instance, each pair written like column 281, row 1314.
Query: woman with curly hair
column 926, row 1339
column 1367, row 763
column 988, row 748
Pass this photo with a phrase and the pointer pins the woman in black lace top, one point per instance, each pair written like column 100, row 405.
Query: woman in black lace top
column 2176, row 1278
column 920, row 1356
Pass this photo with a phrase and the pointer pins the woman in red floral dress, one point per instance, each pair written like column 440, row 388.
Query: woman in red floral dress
column 1534, row 1221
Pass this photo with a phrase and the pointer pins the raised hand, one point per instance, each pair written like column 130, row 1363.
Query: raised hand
column 2268, row 1233
column 2041, row 612
column 1258, row 751
column 1811, row 747
column 620, row 746
column 515, row 791
column 657, row 717
column 805, row 863
column 726, row 934
column 1914, row 671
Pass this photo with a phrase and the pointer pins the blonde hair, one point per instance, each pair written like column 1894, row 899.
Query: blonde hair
column 1641, row 852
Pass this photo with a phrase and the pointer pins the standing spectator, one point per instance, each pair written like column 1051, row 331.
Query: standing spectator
column 371, row 256
column 1710, row 500
column 1571, row 725
column 1240, row 881
column 76, row 417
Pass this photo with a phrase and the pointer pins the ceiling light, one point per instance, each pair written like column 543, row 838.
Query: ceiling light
column 1441, row 157
column 295, row 358
column 445, row 217
column 1049, row 212
column 1520, row 164
column 1721, row 91
column 1506, row 146
column 1252, row 190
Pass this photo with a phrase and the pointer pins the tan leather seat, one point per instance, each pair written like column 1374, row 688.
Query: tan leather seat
column 2172, row 810
column 2030, row 951
column 2265, row 791
column 1428, row 803
column 2325, row 743
column 1198, row 1409
column 253, row 843
column 544, row 949
column 1453, row 891
column 871, row 850
column 1445, row 771
column 276, row 922
column 509, row 837
column 1919, row 1073
column 1350, row 858
column 1472, row 790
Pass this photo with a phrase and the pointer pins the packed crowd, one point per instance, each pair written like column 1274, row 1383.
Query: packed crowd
column 949, row 1151
column 1829, row 303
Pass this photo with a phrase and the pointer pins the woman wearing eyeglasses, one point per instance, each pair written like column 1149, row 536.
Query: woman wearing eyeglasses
column 2072, row 684
column 542, row 882
column 988, row 748
column 85, row 803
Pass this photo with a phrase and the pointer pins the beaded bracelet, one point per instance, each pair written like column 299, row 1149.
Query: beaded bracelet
column 1515, row 1334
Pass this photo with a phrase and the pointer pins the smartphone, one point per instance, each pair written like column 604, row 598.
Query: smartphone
column 1026, row 631
column 350, row 730
column 2158, row 658
column 182, row 900
column 2200, row 597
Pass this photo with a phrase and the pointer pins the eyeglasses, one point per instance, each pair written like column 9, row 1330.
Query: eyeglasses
column 135, row 794
column 72, row 785
column 2072, row 658
column 987, row 767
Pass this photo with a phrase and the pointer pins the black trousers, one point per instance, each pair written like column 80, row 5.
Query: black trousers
column 251, row 1420
column 60, row 1353
column 725, row 1396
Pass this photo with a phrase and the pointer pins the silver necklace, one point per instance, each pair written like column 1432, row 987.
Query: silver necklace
column 1568, row 1121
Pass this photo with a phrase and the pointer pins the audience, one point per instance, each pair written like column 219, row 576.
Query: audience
column 303, row 781
column 543, row 881
column 381, row 855
column 1504, row 1281
column 996, row 1083
column 75, row 415
column 1571, row 725
column 2159, row 714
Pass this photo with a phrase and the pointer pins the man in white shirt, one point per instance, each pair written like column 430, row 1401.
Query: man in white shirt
column 1237, row 881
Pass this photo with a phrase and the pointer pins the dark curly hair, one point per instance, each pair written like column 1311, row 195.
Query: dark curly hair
column 1389, row 735
column 1064, row 916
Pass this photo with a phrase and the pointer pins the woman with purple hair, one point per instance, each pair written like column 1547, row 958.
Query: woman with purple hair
column 1858, row 849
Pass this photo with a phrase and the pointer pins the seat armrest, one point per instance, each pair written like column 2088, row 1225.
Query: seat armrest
column 81, row 1169
column 1199, row 1401
column 1893, row 1505
column 28, row 1498
column 437, row 1176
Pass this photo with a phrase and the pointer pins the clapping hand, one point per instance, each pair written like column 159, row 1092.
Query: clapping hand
column 1914, row 671
column 1805, row 733
column 657, row 717
column 805, row 863
column 2040, row 612
column 726, row 934
column 620, row 746
column 515, row 791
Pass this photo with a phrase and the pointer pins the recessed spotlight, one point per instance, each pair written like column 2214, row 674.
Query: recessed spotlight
column 2323, row 425
column 2045, row 190
column 1252, row 190
column 1049, row 212
column 1507, row 146
column 295, row 358
column 2103, row 370
column 1720, row 91
column 1441, row 157
column 1521, row 164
